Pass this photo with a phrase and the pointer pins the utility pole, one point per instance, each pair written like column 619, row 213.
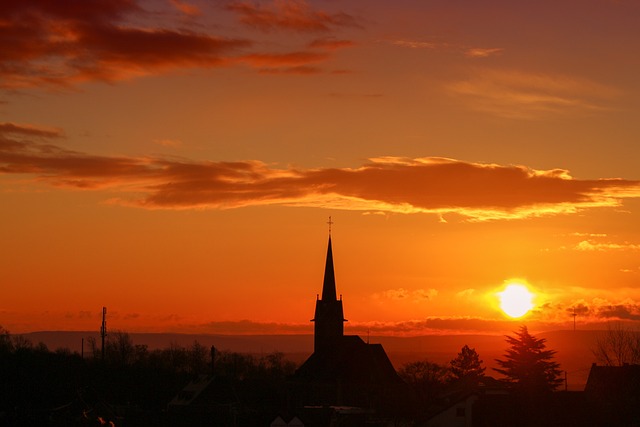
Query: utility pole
column 103, row 329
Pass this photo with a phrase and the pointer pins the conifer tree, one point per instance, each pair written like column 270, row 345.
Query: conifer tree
column 467, row 366
column 528, row 365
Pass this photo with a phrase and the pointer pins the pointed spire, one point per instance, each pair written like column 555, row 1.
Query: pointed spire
column 329, row 284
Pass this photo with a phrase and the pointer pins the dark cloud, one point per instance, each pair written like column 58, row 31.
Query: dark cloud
column 629, row 311
column 580, row 309
column 61, row 43
column 474, row 190
column 13, row 129
column 600, row 309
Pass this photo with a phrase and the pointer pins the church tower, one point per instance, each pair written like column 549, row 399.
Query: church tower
column 329, row 316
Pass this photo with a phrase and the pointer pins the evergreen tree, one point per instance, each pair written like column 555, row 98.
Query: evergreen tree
column 467, row 366
column 528, row 365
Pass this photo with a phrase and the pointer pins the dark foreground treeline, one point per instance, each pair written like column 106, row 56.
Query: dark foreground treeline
column 43, row 387
column 130, row 385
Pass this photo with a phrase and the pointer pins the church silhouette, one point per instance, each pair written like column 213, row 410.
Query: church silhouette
column 344, row 370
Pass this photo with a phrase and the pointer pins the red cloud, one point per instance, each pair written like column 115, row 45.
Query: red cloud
column 301, row 70
column 60, row 43
column 186, row 8
column 331, row 44
column 289, row 15
column 431, row 185
column 291, row 59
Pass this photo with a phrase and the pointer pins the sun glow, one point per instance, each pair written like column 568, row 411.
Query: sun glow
column 516, row 300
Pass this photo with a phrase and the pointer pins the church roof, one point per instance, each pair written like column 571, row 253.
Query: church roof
column 351, row 361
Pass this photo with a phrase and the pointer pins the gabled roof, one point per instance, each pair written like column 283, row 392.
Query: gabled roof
column 352, row 361
column 614, row 382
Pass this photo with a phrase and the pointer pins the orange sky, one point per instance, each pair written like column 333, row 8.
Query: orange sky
column 176, row 161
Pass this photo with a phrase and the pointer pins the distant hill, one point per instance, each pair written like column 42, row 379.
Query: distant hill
column 574, row 348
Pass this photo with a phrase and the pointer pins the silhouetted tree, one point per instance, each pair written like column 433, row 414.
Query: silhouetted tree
column 119, row 348
column 427, row 378
column 41, row 347
column 20, row 343
column 198, row 358
column 278, row 366
column 528, row 365
column 92, row 345
column 141, row 354
column 618, row 346
column 467, row 366
column 6, row 346
column 176, row 357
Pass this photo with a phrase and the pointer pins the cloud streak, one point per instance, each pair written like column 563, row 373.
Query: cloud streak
column 289, row 15
column 477, row 191
column 402, row 294
column 519, row 95
column 590, row 245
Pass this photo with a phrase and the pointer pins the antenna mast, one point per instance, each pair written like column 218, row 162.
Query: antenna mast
column 103, row 329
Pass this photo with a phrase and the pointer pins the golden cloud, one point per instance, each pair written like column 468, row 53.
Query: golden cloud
column 476, row 191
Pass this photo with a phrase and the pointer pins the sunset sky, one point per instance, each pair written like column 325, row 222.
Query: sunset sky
column 177, row 161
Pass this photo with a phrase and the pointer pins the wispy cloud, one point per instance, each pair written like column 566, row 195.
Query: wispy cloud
column 401, row 294
column 330, row 44
column 589, row 234
column 476, row 191
column 466, row 293
column 470, row 52
column 418, row 44
column 590, row 245
column 186, row 8
column 21, row 130
column 165, row 142
column 478, row 52
column 284, row 61
column 599, row 242
column 289, row 15
column 519, row 95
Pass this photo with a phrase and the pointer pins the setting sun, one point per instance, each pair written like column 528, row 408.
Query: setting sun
column 516, row 300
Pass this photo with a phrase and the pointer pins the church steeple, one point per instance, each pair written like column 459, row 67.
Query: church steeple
column 329, row 283
column 329, row 316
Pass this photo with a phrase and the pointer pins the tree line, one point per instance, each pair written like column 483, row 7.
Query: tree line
column 34, row 379
column 35, row 382
column 527, row 365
